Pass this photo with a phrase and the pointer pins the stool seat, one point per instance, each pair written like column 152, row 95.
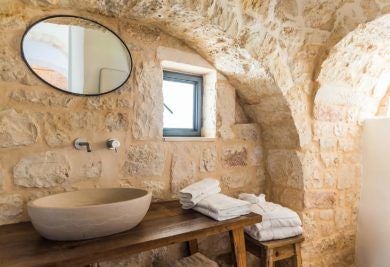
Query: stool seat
column 272, row 251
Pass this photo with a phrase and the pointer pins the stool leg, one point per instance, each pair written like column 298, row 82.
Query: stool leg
column 269, row 260
column 297, row 260
column 238, row 246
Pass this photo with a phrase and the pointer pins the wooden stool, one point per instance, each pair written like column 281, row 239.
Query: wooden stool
column 270, row 252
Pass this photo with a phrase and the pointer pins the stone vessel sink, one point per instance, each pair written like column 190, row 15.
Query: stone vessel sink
column 88, row 213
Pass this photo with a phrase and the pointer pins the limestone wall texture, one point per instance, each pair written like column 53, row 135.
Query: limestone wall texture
column 38, row 125
column 271, row 53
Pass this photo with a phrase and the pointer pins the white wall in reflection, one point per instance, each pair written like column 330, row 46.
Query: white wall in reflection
column 76, row 59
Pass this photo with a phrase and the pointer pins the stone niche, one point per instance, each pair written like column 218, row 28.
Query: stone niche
column 38, row 125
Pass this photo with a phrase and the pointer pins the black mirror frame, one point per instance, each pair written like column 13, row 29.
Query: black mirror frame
column 78, row 17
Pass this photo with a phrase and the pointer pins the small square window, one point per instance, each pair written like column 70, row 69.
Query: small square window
column 182, row 104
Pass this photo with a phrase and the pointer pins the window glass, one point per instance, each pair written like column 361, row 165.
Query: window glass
column 182, row 104
column 178, row 104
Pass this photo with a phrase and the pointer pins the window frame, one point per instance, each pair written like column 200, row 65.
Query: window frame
column 198, row 99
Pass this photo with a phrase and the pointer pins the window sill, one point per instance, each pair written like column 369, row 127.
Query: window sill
column 188, row 139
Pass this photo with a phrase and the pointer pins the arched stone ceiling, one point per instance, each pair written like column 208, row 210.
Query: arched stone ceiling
column 269, row 50
column 356, row 74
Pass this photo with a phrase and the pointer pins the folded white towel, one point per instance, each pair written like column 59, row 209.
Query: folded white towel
column 190, row 203
column 257, row 233
column 221, row 207
column 273, row 215
column 196, row 189
column 192, row 194
column 214, row 215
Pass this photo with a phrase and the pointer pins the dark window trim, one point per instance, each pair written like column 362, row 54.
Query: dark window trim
column 198, row 97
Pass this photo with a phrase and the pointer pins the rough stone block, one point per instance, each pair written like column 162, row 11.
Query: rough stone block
column 35, row 96
column 271, row 109
column 347, row 177
column 285, row 168
column 320, row 199
column 331, row 113
column 281, row 136
column 93, row 169
column 236, row 180
column 84, row 120
column 247, row 132
column 42, row 170
column 147, row 123
column 101, row 102
column 209, row 159
column 57, row 131
column 226, row 101
column 330, row 159
column 117, row 121
column 11, row 208
column 17, row 129
column 328, row 143
column 182, row 172
column 323, row 129
column 145, row 160
column 326, row 215
column 343, row 218
column 234, row 156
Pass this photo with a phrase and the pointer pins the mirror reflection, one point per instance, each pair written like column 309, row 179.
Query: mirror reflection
column 76, row 55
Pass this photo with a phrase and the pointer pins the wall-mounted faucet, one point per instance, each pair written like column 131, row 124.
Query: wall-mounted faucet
column 79, row 143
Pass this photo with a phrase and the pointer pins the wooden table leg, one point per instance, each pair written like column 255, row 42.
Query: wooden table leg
column 297, row 261
column 192, row 246
column 269, row 262
column 238, row 246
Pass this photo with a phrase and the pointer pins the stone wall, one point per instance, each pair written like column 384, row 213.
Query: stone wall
column 38, row 125
column 353, row 82
column 271, row 52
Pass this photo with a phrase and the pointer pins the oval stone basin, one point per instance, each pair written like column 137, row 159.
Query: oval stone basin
column 88, row 213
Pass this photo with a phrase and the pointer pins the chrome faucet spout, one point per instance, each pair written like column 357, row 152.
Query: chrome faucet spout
column 79, row 143
column 87, row 145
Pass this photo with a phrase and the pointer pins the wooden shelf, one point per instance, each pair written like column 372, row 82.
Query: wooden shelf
column 165, row 224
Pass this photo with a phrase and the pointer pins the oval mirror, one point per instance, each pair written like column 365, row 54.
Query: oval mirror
column 76, row 55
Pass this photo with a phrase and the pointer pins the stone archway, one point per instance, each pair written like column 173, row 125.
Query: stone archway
column 353, row 82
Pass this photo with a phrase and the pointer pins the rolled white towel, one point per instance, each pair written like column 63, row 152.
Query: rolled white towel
column 221, row 207
column 190, row 203
column 257, row 233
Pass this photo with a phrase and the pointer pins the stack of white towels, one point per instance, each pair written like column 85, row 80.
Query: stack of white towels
column 204, row 197
column 277, row 222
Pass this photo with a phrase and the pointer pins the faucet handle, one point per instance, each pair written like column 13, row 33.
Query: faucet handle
column 113, row 144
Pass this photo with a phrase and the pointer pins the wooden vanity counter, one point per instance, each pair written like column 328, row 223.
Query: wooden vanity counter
column 166, row 223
